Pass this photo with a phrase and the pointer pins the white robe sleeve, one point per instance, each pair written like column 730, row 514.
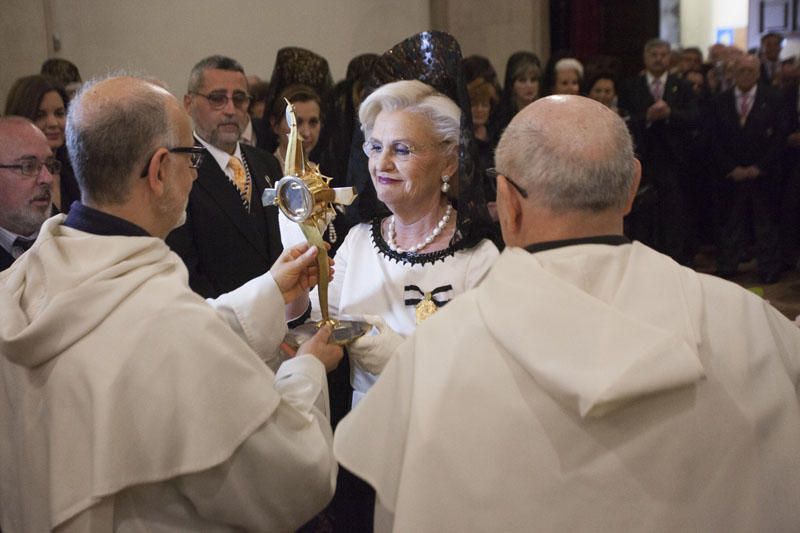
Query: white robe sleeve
column 371, row 440
column 787, row 338
column 255, row 311
column 284, row 472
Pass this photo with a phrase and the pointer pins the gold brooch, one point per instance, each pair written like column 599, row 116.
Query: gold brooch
column 425, row 308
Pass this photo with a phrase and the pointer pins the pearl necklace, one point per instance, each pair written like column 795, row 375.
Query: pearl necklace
column 425, row 242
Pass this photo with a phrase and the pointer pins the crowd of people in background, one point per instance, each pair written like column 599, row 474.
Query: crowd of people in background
column 717, row 172
column 201, row 413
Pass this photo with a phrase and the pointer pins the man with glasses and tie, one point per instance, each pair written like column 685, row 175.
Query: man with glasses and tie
column 27, row 167
column 663, row 109
column 127, row 402
column 229, row 237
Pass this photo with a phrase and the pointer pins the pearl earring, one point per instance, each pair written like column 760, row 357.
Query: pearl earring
column 445, row 184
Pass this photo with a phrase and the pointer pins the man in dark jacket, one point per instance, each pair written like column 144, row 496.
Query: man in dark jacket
column 748, row 136
column 663, row 109
column 229, row 237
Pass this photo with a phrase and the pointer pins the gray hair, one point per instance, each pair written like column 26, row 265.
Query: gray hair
column 211, row 63
column 415, row 97
column 570, row 171
column 108, row 143
column 569, row 63
column 656, row 43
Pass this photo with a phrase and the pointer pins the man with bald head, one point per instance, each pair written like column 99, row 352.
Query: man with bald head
column 27, row 166
column 127, row 402
column 595, row 384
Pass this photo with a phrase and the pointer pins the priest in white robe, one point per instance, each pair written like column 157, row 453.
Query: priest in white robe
column 127, row 402
column 589, row 383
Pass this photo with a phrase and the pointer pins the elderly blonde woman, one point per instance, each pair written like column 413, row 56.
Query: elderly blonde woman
column 398, row 269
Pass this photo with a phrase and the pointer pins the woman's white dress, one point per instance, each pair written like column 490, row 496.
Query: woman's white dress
column 371, row 279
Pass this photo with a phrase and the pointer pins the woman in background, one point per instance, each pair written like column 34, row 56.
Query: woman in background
column 522, row 86
column 307, row 110
column 483, row 98
column 44, row 103
column 567, row 77
column 602, row 87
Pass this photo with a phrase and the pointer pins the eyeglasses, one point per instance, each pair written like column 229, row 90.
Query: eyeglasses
column 493, row 173
column 219, row 100
column 196, row 154
column 399, row 151
column 31, row 167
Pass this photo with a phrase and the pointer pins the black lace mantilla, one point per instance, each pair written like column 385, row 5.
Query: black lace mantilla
column 409, row 257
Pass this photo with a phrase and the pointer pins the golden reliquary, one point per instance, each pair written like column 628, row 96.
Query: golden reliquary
column 304, row 196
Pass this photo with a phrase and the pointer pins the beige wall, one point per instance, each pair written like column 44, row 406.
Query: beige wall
column 23, row 43
column 164, row 38
column 701, row 18
column 496, row 29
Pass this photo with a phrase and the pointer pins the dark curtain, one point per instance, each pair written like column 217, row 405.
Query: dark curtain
column 586, row 28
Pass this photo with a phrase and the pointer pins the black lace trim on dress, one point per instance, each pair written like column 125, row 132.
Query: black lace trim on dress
column 409, row 257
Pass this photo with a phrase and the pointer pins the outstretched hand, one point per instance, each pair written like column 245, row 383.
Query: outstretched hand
column 296, row 271
column 328, row 354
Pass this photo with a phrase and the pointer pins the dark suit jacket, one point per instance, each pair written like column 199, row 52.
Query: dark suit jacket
column 667, row 136
column 222, row 244
column 6, row 260
column 263, row 135
column 759, row 142
column 790, row 97
column 764, row 76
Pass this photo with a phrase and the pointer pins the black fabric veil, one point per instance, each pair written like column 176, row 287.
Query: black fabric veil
column 298, row 66
column 342, row 115
column 434, row 58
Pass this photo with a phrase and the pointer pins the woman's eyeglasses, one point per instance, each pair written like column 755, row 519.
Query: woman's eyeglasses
column 399, row 151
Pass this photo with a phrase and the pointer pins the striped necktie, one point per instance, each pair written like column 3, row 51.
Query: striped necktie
column 20, row 246
column 240, row 180
column 656, row 89
column 744, row 109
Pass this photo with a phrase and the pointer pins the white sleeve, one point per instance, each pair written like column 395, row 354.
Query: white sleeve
column 381, row 422
column 282, row 474
column 255, row 311
column 787, row 337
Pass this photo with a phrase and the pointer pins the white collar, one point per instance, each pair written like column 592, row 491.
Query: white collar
column 751, row 93
column 220, row 156
column 651, row 78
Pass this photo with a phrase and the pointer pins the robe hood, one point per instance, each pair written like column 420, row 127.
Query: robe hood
column 101, row 344
column 596, row 358
column 43, row 313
